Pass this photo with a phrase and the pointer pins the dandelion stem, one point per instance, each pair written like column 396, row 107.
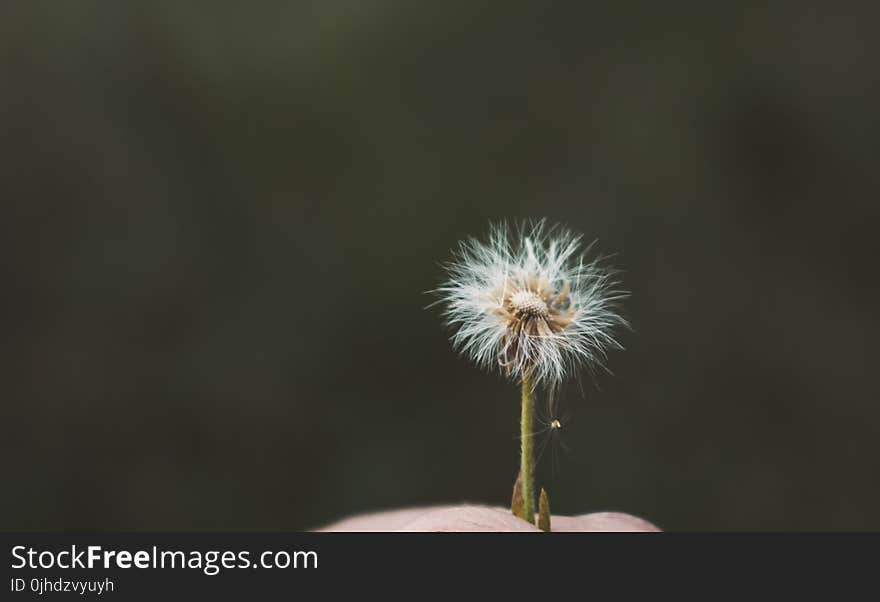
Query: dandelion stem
column 527, row 454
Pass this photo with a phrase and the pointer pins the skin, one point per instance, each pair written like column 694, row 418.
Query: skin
column 469, row 517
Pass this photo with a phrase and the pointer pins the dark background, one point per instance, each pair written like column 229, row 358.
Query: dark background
column 218, row 225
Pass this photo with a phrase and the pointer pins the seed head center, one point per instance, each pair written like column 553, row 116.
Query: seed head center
column 528, row 303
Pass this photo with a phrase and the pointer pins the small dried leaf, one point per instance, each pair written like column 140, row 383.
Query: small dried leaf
column 516, row 502
column 544, row 511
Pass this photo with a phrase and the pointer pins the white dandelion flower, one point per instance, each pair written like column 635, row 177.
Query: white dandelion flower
column 530, row 303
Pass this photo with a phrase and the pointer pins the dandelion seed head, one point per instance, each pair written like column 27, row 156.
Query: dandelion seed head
column 527, row 301
column 527, row 304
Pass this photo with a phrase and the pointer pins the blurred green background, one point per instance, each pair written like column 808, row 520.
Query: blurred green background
column 219, row 223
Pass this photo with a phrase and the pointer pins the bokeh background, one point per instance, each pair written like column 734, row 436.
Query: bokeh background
column 219, row 222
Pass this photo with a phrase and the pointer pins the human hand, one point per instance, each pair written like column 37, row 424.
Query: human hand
column 473, row 518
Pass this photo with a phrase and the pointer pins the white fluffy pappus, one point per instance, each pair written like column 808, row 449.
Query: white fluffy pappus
column 528, row 301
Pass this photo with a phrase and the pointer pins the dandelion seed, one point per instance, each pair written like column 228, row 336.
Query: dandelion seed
column 549, row 431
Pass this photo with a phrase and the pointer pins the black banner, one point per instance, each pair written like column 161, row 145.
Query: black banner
column 178, row 566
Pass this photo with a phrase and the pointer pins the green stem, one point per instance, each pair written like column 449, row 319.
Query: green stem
column 527, row 456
